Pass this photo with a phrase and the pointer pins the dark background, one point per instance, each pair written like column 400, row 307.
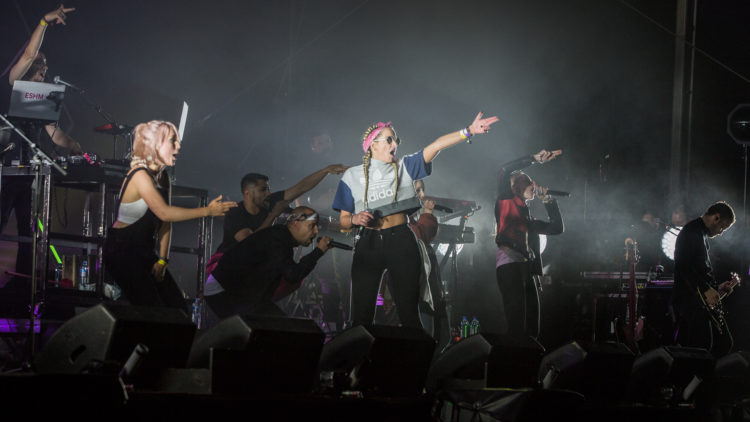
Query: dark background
column 591, row 77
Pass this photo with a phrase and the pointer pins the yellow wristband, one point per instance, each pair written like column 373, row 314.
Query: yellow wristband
column 43, row 22
column 162, row 262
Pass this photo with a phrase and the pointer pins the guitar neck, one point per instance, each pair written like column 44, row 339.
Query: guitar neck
column 733, row 283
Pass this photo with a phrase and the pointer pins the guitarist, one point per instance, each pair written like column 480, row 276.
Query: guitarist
column 693, row 275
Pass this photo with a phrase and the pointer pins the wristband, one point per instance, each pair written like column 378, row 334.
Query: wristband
column 43, row 22
column 466, row 135
column 163, row 261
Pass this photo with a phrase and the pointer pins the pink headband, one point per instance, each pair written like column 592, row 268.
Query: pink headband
column 374, row 134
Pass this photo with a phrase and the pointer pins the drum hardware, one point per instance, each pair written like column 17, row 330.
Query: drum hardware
column 113, row 129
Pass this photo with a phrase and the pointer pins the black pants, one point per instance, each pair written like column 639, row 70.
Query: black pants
column 520, row 299
column 396, row 250
column 130, row 267
column 694, row 329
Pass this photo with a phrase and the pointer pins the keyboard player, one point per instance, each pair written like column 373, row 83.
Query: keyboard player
column 16, row 193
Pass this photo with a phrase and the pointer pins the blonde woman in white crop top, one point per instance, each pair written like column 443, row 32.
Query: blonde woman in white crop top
column 155, row 146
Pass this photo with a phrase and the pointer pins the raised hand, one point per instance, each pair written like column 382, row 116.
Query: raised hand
column 544, row 156
column 217, row 207
column 480, row 125
column 58, row 15
column 336, row 169
column 540, row 191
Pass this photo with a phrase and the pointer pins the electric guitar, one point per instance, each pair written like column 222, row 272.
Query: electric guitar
column 716, row 312
column 632, row 330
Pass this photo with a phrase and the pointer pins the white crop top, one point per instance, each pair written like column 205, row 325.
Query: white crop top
column 130, row 212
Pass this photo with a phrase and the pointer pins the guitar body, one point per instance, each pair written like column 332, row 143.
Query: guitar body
column 721, row 338
column 632, row 327
column 714, row 313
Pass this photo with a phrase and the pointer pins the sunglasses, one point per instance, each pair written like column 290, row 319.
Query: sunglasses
column 390, row 140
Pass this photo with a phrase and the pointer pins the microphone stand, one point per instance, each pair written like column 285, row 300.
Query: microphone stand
column 452, row 254
column 40, row 228
column 109, row 119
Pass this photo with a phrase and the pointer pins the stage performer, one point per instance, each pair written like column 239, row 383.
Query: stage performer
column 376, row 197
column 144, row 213
column 32, row 66
column 694, row 276
column 257, row 210
column 257, row 203
column 517, row 239
column 425, row 226
column 16, row 191
column 252, row 271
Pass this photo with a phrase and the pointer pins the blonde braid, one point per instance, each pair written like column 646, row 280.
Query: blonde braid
column 394, row 164
column 395, row 170
column 366, row 160
column 366, row 168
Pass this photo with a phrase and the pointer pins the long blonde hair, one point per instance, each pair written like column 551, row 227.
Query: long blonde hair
column 366, row 164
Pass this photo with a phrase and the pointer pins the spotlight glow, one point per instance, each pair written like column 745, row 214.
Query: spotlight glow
column 668, row 241
column 542, row 243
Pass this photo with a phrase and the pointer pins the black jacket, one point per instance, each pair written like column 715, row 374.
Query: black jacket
column 692, row 266
column 512, row 238
column 253, row 268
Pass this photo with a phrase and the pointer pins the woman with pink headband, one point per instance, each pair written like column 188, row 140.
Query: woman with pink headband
column 376, row 198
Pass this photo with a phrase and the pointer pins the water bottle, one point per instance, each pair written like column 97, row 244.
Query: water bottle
column 474, row 326
column 464, row 328
column 58, row 275
column 83, row 276
column 196, row 317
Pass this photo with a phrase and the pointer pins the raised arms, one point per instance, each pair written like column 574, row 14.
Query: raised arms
column 478, row 126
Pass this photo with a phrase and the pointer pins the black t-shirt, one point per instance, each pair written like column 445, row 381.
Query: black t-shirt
column 238, row 218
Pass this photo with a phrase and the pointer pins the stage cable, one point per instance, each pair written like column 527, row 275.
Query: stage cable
column 684, row 41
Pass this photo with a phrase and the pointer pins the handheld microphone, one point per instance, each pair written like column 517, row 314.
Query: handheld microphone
column 556, row 193
column 335, row 244
column 560, row 193
column 59, row 81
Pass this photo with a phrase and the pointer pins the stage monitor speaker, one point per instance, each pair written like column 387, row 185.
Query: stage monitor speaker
column 110, row 332
column 731, row 381
column 487, row 361
column 600, row 371
column 385, row 360
column 678, row 371
column 260, row 354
